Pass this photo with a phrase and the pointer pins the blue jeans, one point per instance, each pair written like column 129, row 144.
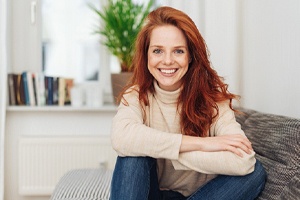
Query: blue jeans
column 135, row 178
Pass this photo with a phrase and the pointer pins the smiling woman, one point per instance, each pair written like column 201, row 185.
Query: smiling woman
column 168, row 60
column 176, row 122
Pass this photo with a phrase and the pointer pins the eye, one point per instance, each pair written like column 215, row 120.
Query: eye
column 157, row 51
column 179, row 51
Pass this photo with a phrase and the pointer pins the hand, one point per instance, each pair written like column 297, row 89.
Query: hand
column 218, row 143
column 226, row 143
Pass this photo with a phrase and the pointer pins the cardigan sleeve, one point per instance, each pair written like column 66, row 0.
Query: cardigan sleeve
column 131, row 137
column 222, row 162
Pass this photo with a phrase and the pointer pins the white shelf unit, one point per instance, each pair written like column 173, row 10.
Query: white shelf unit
column 77, row 127
column 67, row 108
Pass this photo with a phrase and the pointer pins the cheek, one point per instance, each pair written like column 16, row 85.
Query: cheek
column 185, row 65
column 149, row 63
column 184, row 62
column 149, row 59
column 152, row 61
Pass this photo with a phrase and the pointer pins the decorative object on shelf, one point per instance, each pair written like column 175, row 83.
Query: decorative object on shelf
column 121, row 22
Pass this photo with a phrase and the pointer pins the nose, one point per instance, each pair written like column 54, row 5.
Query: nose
column 168, row 59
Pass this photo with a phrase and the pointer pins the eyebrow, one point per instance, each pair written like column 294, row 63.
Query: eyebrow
column 180, row 46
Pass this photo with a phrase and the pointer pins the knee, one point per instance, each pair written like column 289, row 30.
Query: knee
column 131, row 177
column 135, row 164
column 130, row 170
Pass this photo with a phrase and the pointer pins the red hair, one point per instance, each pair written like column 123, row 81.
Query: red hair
column 202, row 87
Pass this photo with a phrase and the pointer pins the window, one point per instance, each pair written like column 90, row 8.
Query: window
column 69, row 46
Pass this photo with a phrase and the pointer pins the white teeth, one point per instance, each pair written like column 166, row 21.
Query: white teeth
column 168, row 71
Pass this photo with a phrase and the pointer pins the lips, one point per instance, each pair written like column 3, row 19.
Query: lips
column 168, row 71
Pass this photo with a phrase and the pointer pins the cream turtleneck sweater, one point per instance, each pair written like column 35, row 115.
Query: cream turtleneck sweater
column 159, row 136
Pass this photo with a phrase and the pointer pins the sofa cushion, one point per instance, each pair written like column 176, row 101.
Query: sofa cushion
column 292, row 190
column 83, row 184
column 275, row 140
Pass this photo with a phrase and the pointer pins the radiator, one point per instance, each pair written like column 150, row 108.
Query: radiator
column 43, row 161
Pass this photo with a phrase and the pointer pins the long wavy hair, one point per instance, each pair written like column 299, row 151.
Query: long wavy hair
column 202, row 87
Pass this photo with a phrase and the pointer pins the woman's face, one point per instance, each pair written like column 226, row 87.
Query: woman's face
column 168, row 56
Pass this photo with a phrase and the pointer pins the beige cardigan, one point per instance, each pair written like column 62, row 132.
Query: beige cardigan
column 160, row 137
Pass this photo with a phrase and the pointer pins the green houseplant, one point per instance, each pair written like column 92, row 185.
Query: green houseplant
column 121, row 20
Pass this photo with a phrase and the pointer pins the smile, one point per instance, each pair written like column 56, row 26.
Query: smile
column 168, row 71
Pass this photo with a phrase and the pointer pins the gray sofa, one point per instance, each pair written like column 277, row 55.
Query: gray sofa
column 275, row 140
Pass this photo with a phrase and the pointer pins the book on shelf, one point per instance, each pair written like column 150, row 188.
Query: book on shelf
column 61, row 91
column 28, row 87
column 49, row 90
column 18, row 89
column 40, row 89
column 25, row 88
column 34, row 88
column 11, row 90
column 68, row 85
column 31, row 88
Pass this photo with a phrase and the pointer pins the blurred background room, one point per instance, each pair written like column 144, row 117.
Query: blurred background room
column 253, row 44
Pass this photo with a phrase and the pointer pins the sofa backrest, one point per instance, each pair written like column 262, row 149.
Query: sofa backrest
column 275, row 140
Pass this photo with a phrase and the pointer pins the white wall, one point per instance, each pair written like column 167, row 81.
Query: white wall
column 3, row 64
column 271, row 56
column 195, row 9
column 254, row 45
column 26, row 48
column 222, row 35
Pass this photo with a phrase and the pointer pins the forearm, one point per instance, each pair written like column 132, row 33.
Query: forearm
column 132, row 138
column 230, row 154
column 229, row 142
column 223, row 162
column 226, row 151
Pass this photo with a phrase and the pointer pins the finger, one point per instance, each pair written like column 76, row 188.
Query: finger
column 244, row 140
column 245, row 148
column 241, row 145
column 234, row 150
column 247, row 143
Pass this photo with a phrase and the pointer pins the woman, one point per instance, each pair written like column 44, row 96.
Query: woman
column 175, row 131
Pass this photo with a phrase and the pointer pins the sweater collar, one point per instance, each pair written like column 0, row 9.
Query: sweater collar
column 166, row 96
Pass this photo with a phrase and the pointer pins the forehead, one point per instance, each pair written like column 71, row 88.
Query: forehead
column 167, row 35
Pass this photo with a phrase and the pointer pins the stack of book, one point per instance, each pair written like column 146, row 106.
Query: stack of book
column 36, row 89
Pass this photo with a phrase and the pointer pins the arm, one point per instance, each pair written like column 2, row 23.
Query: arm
column 229, row 142
column 131, row 137
column 227, row 151
column 223, row 162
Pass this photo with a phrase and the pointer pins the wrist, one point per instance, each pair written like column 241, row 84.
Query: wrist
column 190, row 143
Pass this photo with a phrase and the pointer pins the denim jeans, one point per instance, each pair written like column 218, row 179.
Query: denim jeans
column 135, row 178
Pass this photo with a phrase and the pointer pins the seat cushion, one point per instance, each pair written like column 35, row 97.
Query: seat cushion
column 292, row 190
column 275, row 140
column 84, row 184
